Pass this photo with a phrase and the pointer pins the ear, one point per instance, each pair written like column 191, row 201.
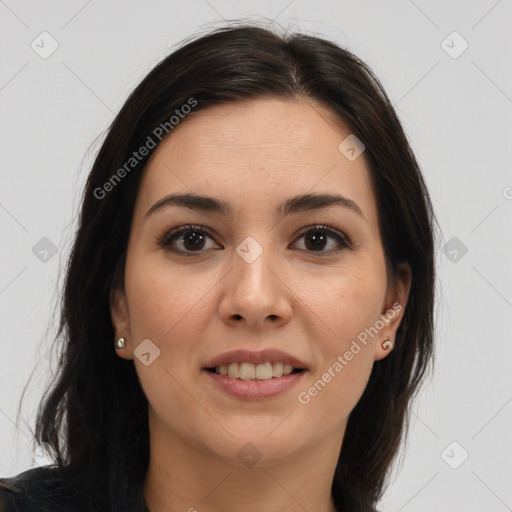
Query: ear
column 394, row 309
column 120, row 316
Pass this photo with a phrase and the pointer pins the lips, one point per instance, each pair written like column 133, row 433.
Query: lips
column 254, row 389
column 261, row 357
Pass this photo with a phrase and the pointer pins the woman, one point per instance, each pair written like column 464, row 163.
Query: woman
column 248, row 309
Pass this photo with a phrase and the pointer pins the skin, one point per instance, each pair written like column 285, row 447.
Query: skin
column 252, row 154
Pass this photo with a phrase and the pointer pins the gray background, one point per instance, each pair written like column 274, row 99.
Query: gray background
column 456, row 110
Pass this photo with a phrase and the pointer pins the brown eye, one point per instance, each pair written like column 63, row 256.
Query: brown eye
column 193, row 240
column 186, row 240
column 317, row 239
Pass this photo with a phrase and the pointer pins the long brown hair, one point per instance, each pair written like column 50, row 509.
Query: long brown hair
column 94, row 414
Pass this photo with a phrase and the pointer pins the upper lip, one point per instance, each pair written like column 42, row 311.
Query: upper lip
column 263, row 356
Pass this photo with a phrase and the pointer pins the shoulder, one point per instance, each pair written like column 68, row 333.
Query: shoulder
column 35, row 490
column 45, row 489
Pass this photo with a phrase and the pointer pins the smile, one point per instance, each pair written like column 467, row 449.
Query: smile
column 254, row 388
column 249, row 371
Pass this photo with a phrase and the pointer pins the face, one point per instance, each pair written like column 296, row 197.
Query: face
column 260, row 275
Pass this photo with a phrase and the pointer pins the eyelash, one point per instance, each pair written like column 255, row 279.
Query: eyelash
column 166, row 240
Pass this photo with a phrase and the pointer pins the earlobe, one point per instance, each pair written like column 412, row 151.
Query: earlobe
column 383, row 349
column 386, row 345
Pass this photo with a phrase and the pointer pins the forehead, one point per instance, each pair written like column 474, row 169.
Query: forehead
column 259, row 128
column 264, row 148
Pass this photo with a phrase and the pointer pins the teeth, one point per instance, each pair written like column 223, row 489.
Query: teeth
column 249, row 371
column 277, row 369
column 233, row 370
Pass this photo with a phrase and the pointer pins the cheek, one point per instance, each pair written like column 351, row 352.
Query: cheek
column 344, row 303
column 167, row 306
column 162, row 300
column 172, row 307
column 346, row 307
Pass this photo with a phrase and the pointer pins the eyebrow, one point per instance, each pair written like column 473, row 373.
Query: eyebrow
column 300, row 203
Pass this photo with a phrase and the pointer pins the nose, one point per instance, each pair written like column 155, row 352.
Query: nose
column 256, row 293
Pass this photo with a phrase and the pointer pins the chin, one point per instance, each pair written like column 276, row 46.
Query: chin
column 259, row 443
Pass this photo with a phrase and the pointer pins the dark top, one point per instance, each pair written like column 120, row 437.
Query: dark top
column 37, row 490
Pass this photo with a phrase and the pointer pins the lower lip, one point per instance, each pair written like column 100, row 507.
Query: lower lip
column 255, row 389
